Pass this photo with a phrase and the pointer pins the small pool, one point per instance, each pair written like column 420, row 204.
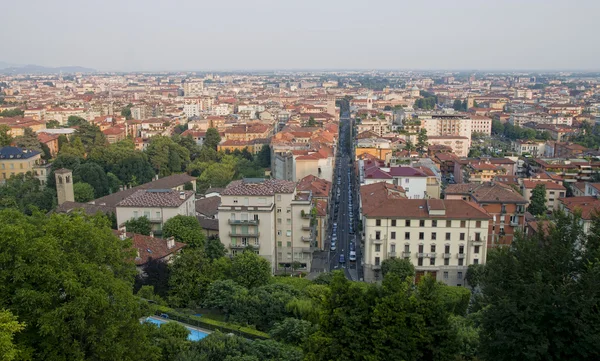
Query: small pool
column 195, row 335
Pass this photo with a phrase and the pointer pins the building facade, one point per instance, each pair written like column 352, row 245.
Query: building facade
column 271, row 218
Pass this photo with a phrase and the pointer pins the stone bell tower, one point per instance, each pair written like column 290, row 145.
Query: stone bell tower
column 64, row 185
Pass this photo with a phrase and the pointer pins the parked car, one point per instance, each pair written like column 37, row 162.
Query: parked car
column 333, row 246
column 342, row 258
column 352, row 256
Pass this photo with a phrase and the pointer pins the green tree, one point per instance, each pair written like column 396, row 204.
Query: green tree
column 171, row 339
column 497, row 127
column 422, row 140
column 166, row 156
column 25, row 193
column 292, row 331
column 225, row 296
column 263, row 158
column 218, row 174
column 74, row 148
column 250, row 270
column 75, row 121
column 94, row 175
column 140, row 225
column 83, row 192
column 537, row 205
column 156, row 275
column 398, row 266
column 126, row 112
column 5, row 137
column 91, row 136
column 214, row 248
column 540, row 295
column 28, row 140
column 67, row 277
column 212, row 138
column 457, row 105
column 311, row 122
column 9, row 327
column 185, row 229
column 52, row 124
column 409, row 146
column 221, row 347
column 190, row 277
column 475, row 273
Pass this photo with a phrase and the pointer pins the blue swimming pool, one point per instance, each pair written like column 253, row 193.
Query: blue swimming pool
column 195, row 335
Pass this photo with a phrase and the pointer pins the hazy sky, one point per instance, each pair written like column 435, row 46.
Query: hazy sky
column 308, row 34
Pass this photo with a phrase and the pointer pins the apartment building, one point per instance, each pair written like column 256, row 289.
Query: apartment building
column 15, row 160
column 270, row 217
column 504, row 203
column 587, row 206
column 439, row 237
column 569, row 170
column 193, row 87
column 459, row 144
column 554, row 191
column 158, row 205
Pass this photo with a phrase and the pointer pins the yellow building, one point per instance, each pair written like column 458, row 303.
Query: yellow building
column 14, row 160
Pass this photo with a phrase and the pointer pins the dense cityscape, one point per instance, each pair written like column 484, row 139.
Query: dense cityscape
column 274, row 216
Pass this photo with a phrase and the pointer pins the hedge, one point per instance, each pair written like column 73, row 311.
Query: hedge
column 210, row 324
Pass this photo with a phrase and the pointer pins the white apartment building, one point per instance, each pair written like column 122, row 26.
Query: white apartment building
column 158, row 205
column 221, row 109
column 440, row 237
column 269, row 217
column 193, row 87
column 192, row 107
column 375, row 125
column 481, row 124
column 446, row 124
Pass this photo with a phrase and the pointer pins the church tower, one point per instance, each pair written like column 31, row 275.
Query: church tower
column 64, row 186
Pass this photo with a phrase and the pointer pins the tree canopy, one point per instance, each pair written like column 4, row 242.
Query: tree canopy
column 185, row 229
column 537, row 204
column 67, row 278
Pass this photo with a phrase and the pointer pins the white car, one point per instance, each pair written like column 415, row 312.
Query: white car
column 333, row 247
column 352, row 256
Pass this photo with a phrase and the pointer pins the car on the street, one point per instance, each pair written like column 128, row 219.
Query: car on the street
column 352, row 256
column 352, row 246
column 333, row 246
column 342, row 258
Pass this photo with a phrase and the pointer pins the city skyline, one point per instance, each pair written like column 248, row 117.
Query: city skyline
column 267, row 35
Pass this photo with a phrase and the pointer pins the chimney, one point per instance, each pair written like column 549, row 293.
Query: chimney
column 170, row 242
column 156, row 177
column 181, row 195
column 123, row 232
column 120, row 188
column 151, row 234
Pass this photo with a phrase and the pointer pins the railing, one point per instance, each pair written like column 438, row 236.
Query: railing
column 307, row 228
column 447, row 255
column 421, row 255
column 514, row 223
column 305, row 215
column 249, row 221
column 392, row 254
column 309, row 249
column 243, row 234
column 431, row 254
column 376, row 267
column 405, row 254
column 306, row 239
column 460, row 255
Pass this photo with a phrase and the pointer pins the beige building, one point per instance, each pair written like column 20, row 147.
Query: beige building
column 459, row 144
column 554, row 191
column 15, row 160
column 439, row 237
column 270, row 217
column 158, row 205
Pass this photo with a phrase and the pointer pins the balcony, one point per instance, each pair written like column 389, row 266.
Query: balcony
column 307, row 228
column 305, row 215
column 477, row 241
column 310, row 249
column 421, row 255
column 431, row 254
column 377, row 240
column 447, row 255
column 392, row 254
column 461, row 255
column 243, row 234
column 155, row 220
column 306, row 239
column 514, row 223
column 244, row 222
column 376, row 267
column 405, row 254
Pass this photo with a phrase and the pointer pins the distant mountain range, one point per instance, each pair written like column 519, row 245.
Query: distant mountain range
column 7, row 68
